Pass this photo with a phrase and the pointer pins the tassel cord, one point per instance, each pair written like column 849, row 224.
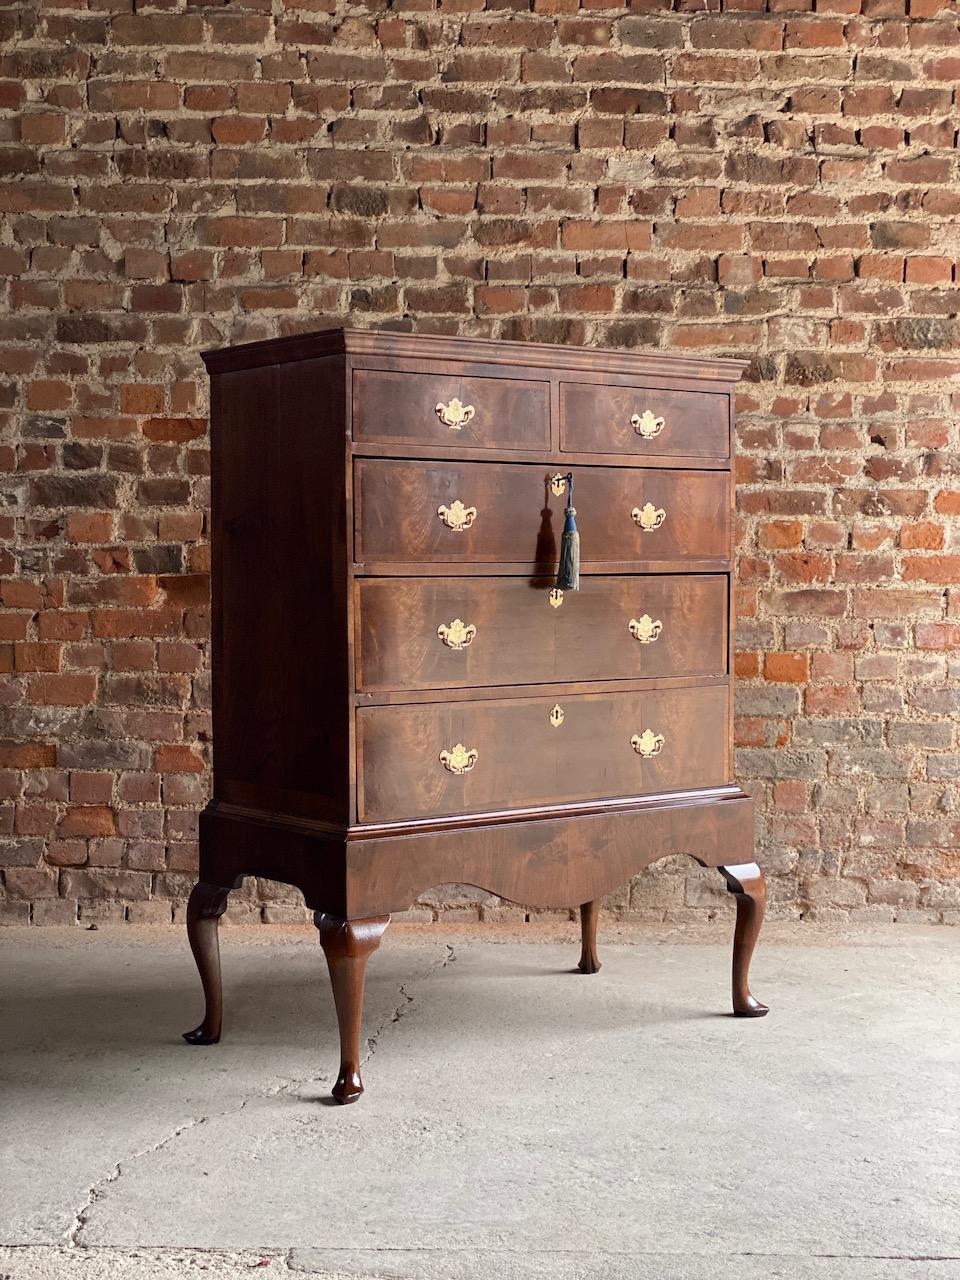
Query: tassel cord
column 568, row 572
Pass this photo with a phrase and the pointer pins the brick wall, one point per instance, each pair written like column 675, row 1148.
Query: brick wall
column 768, row 181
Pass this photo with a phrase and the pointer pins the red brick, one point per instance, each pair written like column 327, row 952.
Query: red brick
column 195, row 264
column 245, row 233
column 233, row 131
column 931, row 271
column 174, row 430
column 89, row 526
column 103, row 428
column 88, row 820
column 776, row 534
column 832, row 668
column 37, row 657
column 27, row 755
column 937, row 635
column 43, row 128
column 832, row 700
column 116, row 623
column 91, row 788
column 63, row 625
column 66, row 853
column 178, row 759
column 141, row 399
column 606, row 235
column 945, row 569
column 889, row 602
column 925, row 535
column 869, row 537
column 132, row 655
column 791, row 668
column 739, row 271
column 62, row 690
column 804, row 568
column 752, row 731
column 747, row 666
column 791, row 796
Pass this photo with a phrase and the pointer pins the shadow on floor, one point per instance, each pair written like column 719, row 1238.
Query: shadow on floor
column 117, row 1008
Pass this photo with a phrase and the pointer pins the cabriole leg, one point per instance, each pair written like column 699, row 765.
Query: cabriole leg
column 347, row 945
column 589, row 914
column 746, row 882
column 206, row 905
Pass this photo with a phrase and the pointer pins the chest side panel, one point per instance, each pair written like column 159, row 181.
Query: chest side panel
column 280, row 662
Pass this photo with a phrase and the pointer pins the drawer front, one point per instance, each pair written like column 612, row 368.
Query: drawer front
column 448, row 633
column 484, row 513
column 642, row 421
column 465, row 757
column 450, row 409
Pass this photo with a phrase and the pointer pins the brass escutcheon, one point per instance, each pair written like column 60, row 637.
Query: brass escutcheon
column 646, row 425
column 645, row 629
column 458, row 759
column 556, row 716
column 457, row 635
column 556, row 597
column 558, row 483
column 454, row 414
column 457, row 517
column 648, row 516
column 648, row 743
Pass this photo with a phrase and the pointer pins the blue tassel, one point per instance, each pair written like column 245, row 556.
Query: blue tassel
column 568, row 575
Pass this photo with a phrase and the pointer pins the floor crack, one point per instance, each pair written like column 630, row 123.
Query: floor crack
column 403, row 1008
column 97, row 1189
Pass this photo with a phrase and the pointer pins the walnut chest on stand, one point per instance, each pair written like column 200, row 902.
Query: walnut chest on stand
column 403, row 697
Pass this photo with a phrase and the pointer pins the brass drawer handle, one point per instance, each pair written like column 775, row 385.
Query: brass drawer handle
column 646, row 425
column 457, row 517
column 645, row 629
column 454, row 415
column 648, row 743
column 459, row 759
column 457, row 635
column 648, row 516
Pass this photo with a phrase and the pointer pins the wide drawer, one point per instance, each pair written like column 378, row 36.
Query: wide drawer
column 450, row 408
column 466, row 757
column 476, row 512
column 643, row 421
column 437, row 633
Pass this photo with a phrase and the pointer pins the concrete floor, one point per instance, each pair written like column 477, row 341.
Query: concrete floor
column 519, row 1121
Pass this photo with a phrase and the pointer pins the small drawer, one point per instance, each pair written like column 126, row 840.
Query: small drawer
column 450, row 409
column 484, row 513
column 465, row 757
column 449, row 633
column 643, row 421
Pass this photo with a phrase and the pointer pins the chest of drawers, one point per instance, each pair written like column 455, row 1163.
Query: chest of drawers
column 402, row 697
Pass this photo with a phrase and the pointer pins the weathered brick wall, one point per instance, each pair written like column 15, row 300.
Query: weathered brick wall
column 764, row 180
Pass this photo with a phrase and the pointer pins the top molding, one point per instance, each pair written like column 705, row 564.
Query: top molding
column 428, row 346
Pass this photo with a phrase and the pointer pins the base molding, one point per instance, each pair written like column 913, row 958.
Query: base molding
column 561, row 860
